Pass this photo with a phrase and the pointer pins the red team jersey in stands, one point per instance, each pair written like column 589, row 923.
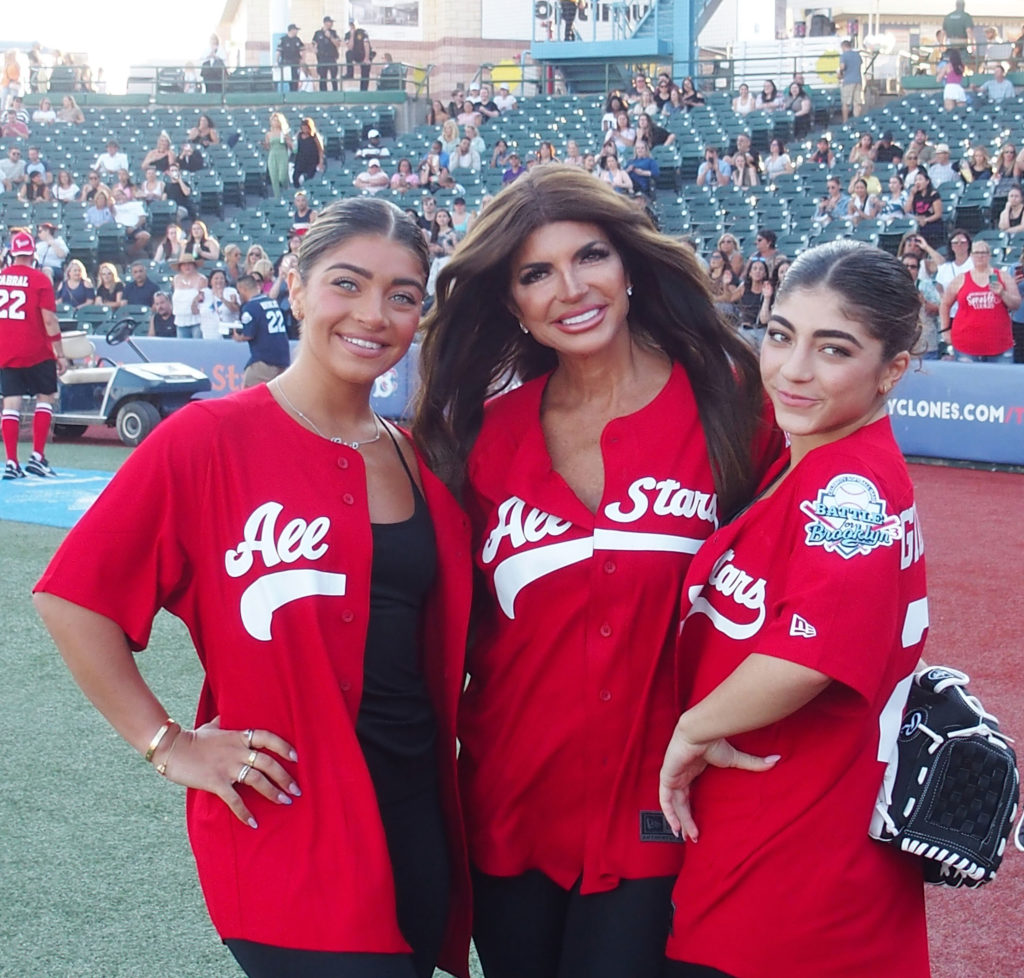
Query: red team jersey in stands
column 827, row 572
column 559, row 764
column 24, row 293
column 268, row 565
column 981, row 327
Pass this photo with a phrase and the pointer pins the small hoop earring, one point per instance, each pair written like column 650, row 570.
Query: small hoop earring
column 523, row 328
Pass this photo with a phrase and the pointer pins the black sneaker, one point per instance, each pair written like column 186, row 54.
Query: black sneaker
column 38, row 465
column 13, row 471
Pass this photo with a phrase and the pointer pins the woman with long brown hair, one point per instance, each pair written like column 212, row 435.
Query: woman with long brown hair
column 589, row 487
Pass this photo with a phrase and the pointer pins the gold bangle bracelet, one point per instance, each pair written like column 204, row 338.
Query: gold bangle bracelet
column 157, row 737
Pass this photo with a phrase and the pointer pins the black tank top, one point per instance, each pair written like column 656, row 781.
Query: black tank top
column 396, row 726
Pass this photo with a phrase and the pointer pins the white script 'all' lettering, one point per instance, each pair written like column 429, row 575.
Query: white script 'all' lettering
column 297, row 539
column 665, row 497
column 521, row 526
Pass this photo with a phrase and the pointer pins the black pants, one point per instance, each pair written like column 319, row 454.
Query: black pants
column 419, row 858
column 328, row 71
column 680, row 969
column 293, row 85
column 529, row 926
column 568, row 8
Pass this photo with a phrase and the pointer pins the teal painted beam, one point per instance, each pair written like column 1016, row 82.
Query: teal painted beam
column 684, row 37
column 630, row 49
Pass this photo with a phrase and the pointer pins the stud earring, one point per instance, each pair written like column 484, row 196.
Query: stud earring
column 523, row 328
column 629, row 290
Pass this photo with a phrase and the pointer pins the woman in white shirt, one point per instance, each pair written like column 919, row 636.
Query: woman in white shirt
column 45, row 115
column 744, row 103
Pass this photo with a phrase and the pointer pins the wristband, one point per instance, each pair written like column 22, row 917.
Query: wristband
column 157, row 737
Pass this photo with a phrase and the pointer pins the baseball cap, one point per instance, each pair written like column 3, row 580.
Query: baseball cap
column 22, row 243
column 942, row 148
column 372, row 134
column 887, row 135
column 328, row 19
column 474, row 88
column 373, row 162
column 293, row 27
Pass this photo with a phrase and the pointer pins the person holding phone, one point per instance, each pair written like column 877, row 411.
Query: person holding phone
column 985, row 296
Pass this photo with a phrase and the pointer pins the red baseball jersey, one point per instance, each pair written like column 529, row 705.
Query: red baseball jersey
column 24, row 293
column 269, row 567
column 827, row 572
column 571, row 699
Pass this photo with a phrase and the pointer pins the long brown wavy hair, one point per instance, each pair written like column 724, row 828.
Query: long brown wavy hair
column 473, row 346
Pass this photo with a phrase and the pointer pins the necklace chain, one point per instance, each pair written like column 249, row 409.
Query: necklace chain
column 335, row 439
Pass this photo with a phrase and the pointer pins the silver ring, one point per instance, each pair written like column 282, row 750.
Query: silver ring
column 246, row 768
column 248, row 737
column 253, row 754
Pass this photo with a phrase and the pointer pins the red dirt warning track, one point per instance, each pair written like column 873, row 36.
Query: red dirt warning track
column 973, row 525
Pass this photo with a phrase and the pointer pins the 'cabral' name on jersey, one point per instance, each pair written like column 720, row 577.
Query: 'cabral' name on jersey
column 523, row 528
column 746, row 615
column 849, row 518
column 297, row 539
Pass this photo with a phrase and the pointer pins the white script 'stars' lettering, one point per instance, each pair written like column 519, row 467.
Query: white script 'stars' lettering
column 664, row 497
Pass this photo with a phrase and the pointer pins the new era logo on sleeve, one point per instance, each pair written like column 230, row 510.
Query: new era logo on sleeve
column 801, row 628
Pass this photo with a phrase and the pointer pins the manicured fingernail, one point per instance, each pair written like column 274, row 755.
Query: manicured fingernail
column 294, row 789
column 293, row 755
column 772, row 758
column 283, row 798
column 252, row 823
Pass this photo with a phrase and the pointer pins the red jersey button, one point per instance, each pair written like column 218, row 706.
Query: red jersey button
column 345, row 685
column 605, row 694
column 605, row 630
column 609, row 567
column 348, row 499
column 342, row 462
column 347, row 615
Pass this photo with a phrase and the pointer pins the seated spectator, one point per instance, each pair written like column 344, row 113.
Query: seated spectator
column 612, row 174
column 254, row 255
column 1011, row 220
column 107, row 164
column 910, row 167
column 754, row 303
column 730, row 248
column 45, row 115
column 744, row 148
column 442, row 232
column 457, row 104
column 404, row 178
column 797, row 101
column 823, row 152
column 36, row 163
column 373, row 179
column 835, row 205
column 263, row 272
column 623, row 135
column 51, row 251
column 505, row 101
column 515, row 169
column 765, row 250
column 925, row 150
column 573, row 156
column 472, row 133
column 725, row 288
column 589, row 164
column 69, row 113
column 462, row 217
column 179, row 192
column 866, row 172
column 863, row 206
column 744, row 103
column 431, row 164
column 450, row 137
column 863, row 149
column 690, row 96
column 109, row 288
column 940, row 169
column 744, row 172
column 76, row 290
column 172, row 244
column 643, row 169
column 467, row 158
column 925, row 205
column 777, row 162
column 234, row 265
column 161, row 323
column 1006, row 170
column 653, row 134
column 34, row 189
column 500, row 155
column 485, row 106
column 663, row 89
column 374, row 147
column 713, row 172
column 219, row 308
column 445, row 181
column 13, row 127
column 140, row 289
column 190, row 159
column 64, row 188
column 769, row 99
column 614, row 104
column 976, row 166
column 886, row 151
column 998, row 88
column 673, row 105
column 201, row 244
column 92, row 187
column 204, row 132
column 100, row 211
column 302, row 214
column 644, row 105
column 437, row 114
column 152, row 188
column 469, row 115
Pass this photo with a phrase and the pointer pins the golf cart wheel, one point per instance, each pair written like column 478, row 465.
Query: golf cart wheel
column 69, row 430
column 135, row 420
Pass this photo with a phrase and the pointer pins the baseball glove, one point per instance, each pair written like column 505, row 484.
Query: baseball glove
column 950, row 793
